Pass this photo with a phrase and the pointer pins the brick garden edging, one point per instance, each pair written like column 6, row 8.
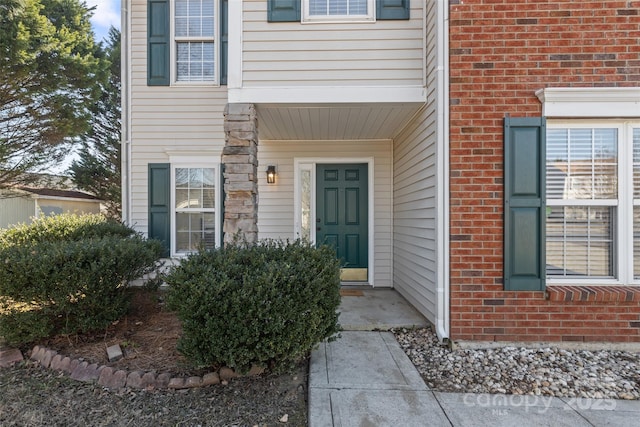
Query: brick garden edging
column 108, row 377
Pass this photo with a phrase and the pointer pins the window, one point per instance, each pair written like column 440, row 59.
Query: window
column 194, row 35
column 194, row 204
column 636, row 202
column 323, row 10
column 337, row 10
column 593, row 201
column 305, row 202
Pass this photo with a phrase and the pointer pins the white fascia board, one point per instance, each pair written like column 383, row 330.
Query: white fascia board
column 328, row 94
column 590, row 102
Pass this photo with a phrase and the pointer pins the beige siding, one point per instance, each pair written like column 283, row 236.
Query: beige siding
column 415, row 198
column 386, row 53
column 55, row 206
column 166, row 119
column 276, row 207
column 16, row 210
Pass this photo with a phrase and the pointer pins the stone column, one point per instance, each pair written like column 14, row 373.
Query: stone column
column 240, row 160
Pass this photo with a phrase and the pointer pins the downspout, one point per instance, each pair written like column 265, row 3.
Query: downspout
column 442, row 106
column 125, row 99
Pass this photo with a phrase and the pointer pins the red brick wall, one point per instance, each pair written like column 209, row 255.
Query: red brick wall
column 501, row 52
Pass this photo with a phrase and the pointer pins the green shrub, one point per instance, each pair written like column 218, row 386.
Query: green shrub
column 266, row 305
column 63, row 227
column 69, row 286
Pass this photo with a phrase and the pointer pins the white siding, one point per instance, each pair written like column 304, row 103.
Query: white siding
column 166, row 119
column 415, row 197
column 276, row 206
column 15, row 210
column 382, row 53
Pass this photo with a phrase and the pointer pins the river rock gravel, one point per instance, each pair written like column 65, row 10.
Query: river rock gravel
column 544, row 371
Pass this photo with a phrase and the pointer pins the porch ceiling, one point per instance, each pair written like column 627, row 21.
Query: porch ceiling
column 333, row 122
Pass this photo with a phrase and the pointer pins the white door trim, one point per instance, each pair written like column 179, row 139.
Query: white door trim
column 310, row 164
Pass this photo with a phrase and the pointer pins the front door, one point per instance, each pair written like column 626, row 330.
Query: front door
column 342, row 216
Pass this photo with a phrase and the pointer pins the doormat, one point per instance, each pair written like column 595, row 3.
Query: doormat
column 351, row 293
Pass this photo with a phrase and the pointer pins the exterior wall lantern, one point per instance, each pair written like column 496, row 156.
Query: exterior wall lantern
column 271, row 174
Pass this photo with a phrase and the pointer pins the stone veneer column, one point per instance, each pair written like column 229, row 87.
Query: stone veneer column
column 240, row 160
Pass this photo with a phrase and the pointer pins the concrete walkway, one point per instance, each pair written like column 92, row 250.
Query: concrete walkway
column 364, row 379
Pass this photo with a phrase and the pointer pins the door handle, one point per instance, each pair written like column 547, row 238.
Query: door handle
column 318, row 228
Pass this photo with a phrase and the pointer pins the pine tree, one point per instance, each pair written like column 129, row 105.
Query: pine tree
column 48, row 67
column 97, row 169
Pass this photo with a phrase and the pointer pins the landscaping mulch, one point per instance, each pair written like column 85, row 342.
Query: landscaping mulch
column 148, row 336
column 34, row 396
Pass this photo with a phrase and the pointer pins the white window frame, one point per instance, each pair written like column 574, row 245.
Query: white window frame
column 623, row 236
column 216, row 51
column 195, row 162
column 308, row 18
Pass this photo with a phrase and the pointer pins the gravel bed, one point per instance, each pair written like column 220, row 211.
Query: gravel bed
column 541, row 371
column 33, row 396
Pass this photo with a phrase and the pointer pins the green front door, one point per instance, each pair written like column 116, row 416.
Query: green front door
column 342, row 215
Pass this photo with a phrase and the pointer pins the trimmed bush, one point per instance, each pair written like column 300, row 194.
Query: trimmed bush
column 268, row 304
column 63, row 227
column 50, row 286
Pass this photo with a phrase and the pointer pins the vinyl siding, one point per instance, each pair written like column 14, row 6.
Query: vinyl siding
column 276, row 207
column 15, row 210
column 49, row 207
column 415, row 197
column 382, row 53
column 166, row 118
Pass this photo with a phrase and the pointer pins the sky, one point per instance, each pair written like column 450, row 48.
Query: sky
column 106, row 14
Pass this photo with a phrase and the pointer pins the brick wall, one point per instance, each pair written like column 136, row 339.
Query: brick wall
column 501, row 52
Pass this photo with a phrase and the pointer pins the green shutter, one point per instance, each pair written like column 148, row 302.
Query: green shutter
column 158, row 42
column 283, row 10
column 393, row 9
column 159, row 201
column 224, row 40
column 524, row 203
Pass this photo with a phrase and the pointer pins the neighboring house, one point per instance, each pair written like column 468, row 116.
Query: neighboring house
column 23, row 204
column 377, row 126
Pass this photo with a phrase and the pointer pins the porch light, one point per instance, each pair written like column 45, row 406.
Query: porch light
column 271, row 174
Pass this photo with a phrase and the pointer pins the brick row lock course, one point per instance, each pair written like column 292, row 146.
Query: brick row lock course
column 111, row 378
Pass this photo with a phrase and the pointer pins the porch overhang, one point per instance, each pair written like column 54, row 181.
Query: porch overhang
column 331, row 112
column 334, row 122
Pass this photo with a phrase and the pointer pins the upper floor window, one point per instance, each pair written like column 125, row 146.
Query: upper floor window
column 187, row 41
column 194, row 36
column 337, row 10
column 330, row 10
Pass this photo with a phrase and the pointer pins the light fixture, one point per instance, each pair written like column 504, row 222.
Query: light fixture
column 271, row 174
